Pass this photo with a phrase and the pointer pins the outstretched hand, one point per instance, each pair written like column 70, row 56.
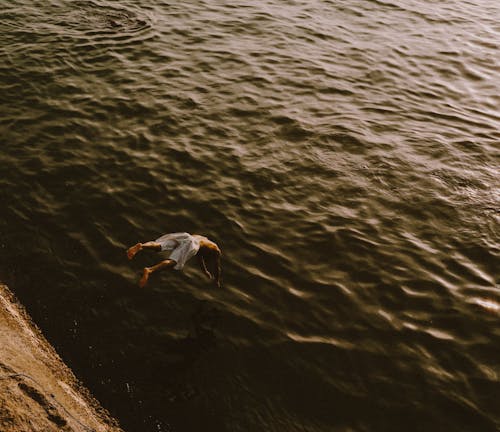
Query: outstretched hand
column 215, row 281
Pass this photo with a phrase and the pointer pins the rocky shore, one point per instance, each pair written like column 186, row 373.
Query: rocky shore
column 38, row 392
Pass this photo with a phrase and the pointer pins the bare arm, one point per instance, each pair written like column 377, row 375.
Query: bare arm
column 203, row 267
column 217, row 268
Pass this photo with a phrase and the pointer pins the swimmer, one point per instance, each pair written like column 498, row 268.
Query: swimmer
column 182, row 247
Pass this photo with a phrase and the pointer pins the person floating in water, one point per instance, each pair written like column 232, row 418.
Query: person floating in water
column 182, row 246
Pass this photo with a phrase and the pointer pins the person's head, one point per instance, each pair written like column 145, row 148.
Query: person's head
column 207, row 245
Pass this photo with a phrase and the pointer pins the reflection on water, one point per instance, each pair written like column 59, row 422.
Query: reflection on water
column 487, row 304
column 344, row 157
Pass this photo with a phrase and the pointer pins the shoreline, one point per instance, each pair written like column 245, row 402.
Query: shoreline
column 38, row 391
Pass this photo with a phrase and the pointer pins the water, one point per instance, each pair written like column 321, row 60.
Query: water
column 345, row 157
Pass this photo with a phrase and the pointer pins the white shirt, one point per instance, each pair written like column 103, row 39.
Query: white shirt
column 183, row 246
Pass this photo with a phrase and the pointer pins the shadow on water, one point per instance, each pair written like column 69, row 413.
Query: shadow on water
column 146, row 384
column 151, row 386
column 158, row 395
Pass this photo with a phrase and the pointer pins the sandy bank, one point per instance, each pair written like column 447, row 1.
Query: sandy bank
column 38, row 392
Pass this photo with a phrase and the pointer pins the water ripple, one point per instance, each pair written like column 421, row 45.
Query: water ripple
column 345, row 157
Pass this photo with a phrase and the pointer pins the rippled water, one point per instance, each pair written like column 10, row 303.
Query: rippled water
column 343, row 154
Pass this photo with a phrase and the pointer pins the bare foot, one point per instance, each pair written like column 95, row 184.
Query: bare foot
column 145, row 277
column 133, row 250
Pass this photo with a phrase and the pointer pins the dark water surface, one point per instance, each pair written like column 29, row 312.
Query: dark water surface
column 345, row 156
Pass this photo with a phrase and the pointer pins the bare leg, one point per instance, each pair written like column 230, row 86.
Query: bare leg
column 140, row 246
column 168, row 263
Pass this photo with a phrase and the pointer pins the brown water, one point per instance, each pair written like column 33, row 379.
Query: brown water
column 344, row 155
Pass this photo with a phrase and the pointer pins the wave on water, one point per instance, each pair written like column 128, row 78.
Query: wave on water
column 344, row 157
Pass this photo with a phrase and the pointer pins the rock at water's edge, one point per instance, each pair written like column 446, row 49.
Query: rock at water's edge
column 38, row 392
